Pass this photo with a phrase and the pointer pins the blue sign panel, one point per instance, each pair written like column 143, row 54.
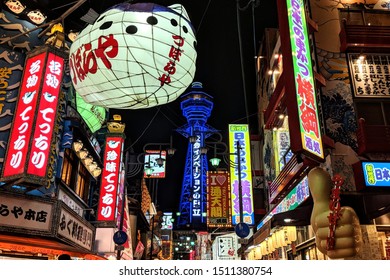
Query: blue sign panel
column 376, row 174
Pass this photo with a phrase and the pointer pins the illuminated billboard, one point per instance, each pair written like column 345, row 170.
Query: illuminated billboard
column 110, row 178
column 218, row 199
column 241, row 173
column 300, row 87
column 150, row 160
column 31, row 138
column 376, row 174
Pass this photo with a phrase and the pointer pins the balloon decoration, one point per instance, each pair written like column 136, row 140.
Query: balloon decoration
column 134, row 56
column 94, row 116
column 337, row 229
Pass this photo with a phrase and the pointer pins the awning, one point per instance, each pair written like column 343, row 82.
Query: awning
column 34, row 245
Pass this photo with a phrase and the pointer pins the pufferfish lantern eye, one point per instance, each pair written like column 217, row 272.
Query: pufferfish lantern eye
column 105, row 25
column 131, row 29
column 152, row 20
column 173, row 22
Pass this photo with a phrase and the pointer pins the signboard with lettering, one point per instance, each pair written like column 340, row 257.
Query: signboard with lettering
column 26, row 214
column 46, row 116
column 376, row 174
column 241, row 174
column 370, row 74
column 110, row 178
column 74, row 229
column 218, row 199
column 198, row 180
column 31, row 137
column 21, row 133
column 304, row 124
column 226, row 247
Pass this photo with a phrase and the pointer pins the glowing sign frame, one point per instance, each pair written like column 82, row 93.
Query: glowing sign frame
column 31, row 139
column 240, row 132
column 299, row 84
column 218, row 199
column 108, row 197
column 376, row 174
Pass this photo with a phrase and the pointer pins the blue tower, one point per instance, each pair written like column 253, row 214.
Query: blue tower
column 196, row 106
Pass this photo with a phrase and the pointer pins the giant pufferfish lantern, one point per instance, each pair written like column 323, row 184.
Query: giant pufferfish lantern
column 134, row 56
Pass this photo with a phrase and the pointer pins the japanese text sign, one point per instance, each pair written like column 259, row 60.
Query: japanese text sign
column 36, row 113
column 241, row 173
column 304, row 79
column 218, row 198
column 110, row 178
column 376, row 174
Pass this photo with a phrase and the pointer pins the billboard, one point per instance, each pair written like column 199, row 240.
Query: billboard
column 218, row 199
column 300, row 87
column 110, row 178
column 376, row 174
column 241, row 174
column 150, row 160
column 32, row 131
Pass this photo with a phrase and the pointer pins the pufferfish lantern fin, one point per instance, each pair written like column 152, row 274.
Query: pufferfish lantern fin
column 178, row 8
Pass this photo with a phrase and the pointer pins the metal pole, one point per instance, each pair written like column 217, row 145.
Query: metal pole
column 118, row 255
column 240, row 191
column 239, row 182
column 151, row 239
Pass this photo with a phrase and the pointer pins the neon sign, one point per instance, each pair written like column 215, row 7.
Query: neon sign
column 376, row 174
column 218, row 198
column 110, row 179
column 31, row 137
column 197, row 202
column 239, row 133
column 46, row 116
column 304, row 79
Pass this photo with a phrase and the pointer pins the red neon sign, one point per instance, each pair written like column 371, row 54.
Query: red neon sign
column 46, row 116
column 15, row 161
column 110, row 179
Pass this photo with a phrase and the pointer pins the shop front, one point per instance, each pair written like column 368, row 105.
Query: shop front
column 36, row 228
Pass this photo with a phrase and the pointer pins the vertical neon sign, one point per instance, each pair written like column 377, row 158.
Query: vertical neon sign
column 304, row 79
column 110, row 179
column 18, row 145
column 240, row 133
column 46, row 116
column 197, row 203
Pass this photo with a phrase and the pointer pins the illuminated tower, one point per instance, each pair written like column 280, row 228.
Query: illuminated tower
column 196, row 106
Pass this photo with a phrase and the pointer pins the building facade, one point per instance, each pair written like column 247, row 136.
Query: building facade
column 325, row 105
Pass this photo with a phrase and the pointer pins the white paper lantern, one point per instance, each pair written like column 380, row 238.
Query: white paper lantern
column 134, row 56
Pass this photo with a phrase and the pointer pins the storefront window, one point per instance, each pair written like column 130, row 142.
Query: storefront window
column 75, row 176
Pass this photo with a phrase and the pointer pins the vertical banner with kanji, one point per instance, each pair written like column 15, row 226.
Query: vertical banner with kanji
column 31, row 137
column 110, row 178
column 241, row 174
column 218, row 199
column 300, row 87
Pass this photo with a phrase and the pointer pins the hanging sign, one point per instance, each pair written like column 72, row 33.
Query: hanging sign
column 110, row 179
